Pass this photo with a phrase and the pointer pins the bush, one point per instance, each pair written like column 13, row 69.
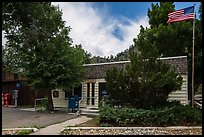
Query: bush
column 170, row 115
column 24, row 132
column 43, row 104
column 200, row 89
column 143, row 84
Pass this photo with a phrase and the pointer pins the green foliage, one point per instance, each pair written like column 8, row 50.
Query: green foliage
column 145, row 83
column 39, row 46
column 24, row 132
column 159, row 13
column 86, row 55
column 174, row 39
column 43, row 104
column 174, row 114
column 200, row 11
column 200, row 89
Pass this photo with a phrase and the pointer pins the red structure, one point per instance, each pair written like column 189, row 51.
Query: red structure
column 7, row 99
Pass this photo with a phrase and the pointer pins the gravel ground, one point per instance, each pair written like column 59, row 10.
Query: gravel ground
column 15, row 132
column 133, row 131
column 9, row 132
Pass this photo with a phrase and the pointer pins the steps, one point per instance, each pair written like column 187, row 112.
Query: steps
column 89, row 111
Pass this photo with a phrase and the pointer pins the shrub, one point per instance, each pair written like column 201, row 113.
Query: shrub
column 43, row 104
column 24, row 132
column 171, row 115
column 145, row 83
column 200, row 89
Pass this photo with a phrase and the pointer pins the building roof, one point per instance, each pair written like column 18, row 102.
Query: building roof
column 98, row 70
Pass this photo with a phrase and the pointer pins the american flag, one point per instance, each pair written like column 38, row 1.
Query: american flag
column 181, row 15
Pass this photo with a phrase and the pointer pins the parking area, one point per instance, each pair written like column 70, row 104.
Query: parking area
column 15, row 117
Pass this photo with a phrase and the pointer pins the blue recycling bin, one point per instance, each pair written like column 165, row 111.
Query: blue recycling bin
column 73, row 102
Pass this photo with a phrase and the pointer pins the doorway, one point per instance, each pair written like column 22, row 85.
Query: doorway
column 90, row 101
column 102, row 90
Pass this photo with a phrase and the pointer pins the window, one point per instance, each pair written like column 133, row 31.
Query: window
column 67, row 94
column 93, row 94
column 78, row 91
column 88, row 93
column 102, row 90
column 55, row 94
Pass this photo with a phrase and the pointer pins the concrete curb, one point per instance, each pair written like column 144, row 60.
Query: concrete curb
column 56, row 128
column 164, row 128
column 34, row 129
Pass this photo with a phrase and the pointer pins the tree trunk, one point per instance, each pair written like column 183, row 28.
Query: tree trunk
column 50, row 102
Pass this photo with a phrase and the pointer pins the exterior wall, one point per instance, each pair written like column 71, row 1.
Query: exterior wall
column 9, row 76
column 84, row 95
column 83, row 102
column 26, row 96
column 181, row 95
column 60, row 102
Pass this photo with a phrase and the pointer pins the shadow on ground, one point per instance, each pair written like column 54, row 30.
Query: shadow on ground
column 15, row 117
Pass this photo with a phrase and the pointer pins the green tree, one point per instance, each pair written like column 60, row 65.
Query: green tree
column 174, row 39
column 159, row 13
column 145, row 83
column 86, row 54
column 198, row 52
column 39, row 46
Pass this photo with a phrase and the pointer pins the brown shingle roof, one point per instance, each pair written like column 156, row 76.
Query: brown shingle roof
column 95, row 71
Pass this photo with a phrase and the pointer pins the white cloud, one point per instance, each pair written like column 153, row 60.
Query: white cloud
column 93, row 28
column 95, row 34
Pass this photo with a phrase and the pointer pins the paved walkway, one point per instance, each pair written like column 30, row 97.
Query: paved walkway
column 56, row 128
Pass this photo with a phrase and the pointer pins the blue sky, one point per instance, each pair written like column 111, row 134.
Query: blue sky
column 107, row 28
column 134, row 10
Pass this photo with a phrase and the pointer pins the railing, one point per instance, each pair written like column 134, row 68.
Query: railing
column 80, row 102
column 198, row 100
column 38, row 100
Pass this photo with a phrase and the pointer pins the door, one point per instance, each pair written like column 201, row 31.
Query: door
column 90, row 100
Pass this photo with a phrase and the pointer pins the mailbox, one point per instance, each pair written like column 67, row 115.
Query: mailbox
column 73, row 102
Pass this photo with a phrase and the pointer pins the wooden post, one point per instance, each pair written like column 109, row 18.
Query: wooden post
column 193, row 58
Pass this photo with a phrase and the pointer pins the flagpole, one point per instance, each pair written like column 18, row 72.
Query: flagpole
column 193, row 58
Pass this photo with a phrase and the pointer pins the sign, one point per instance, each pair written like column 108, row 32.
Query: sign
column 18, row 85
column 104, row 92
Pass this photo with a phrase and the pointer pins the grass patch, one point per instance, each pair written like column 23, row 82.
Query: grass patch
column 24, row 132
column 90, row 123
